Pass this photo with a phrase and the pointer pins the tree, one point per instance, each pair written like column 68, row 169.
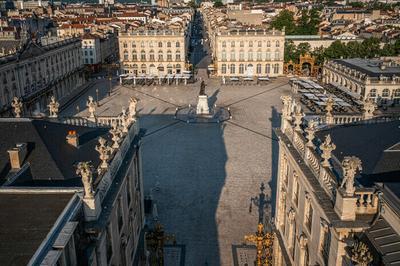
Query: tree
column 290, row 51
column 284, row 20
column 218, row 3
column 192, row 4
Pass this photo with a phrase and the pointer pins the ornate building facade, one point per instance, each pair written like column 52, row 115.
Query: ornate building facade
column 86, row 182
column 248, row 53
column 153, row 52
column 366, row 78
column 37, row 72
column 329, row 200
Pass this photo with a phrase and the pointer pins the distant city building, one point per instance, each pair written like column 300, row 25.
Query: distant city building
column 242, row 46
column 337, row 198
column 84, row 204
column 368, row 78
column 37, row 72
column 157, row 52
column 91, row 52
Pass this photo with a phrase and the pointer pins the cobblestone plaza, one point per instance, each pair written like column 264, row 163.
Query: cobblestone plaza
column 206, row 178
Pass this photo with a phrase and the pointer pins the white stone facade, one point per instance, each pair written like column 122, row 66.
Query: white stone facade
column 154, row 53
column 91, row 52
column 382, row 89
column 252, row 53
column 38, row 72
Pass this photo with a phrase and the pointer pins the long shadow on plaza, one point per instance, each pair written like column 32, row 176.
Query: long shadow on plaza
column 275, row 123
column 187, row 163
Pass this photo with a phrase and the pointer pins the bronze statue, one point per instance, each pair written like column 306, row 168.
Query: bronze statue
column 202, row 88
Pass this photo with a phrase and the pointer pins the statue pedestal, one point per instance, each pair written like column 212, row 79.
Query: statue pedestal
column 202, row 105
column 345, row 206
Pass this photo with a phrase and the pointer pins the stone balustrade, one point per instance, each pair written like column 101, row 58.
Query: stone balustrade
column 346, row 119
column 367, row 201
column 99, row 121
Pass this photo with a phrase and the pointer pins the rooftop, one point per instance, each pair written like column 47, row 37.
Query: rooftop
column 371, row 67
column 375, row 144
column 26, row 219
column 50, row 157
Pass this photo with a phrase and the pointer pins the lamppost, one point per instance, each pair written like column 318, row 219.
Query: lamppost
column 97, row 97
column 110, row 89
column 264, row 242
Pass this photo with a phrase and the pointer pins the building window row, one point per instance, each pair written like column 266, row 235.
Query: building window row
column 259, row 55
column 143, row 44
column 250, row 43
column 249, row 68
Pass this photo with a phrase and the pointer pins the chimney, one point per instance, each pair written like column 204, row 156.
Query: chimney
column 73, row 138
column 17, row 155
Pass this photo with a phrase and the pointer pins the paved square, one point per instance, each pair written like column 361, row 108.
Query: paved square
column 207, row 173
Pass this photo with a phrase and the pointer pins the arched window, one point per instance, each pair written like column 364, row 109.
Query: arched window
column 169, row 44
column 151, row 44
column 277, row 55
column 178, row 56
column 143, row 55
column 241, row 69
column 268, row 55
column 372, row 93
column 178, row 44
column 233, row 55
column 223, row 69
column 223, row 55
column 232, row 43
column 385, row 93
column 134, row 55
column 169, row 55
column 160, row 56
column 250, row 43
column 259, row 55
column 268, row 44
column 241, row 55
column 224, row 44
column 276, row 68
column 241, row 43
column 159, row 44
column 125, row 45
column 258, row 69
column 125, row 55
column 133, row 44
column 250, row 55
column 267, row 68
column 396, row 93
column 277, row 44
column 142, row 44
column 151, row 55
column 232, row 68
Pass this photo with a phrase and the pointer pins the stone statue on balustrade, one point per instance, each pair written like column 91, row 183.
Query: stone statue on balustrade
column 104, row 152
column 53, row 107
column 125, row 121
column 350, row 165
column 310, row 130
column 327, row 147
column 286, row 110
column 85, row 170
column 17, row 105
column 91, row 105
column 115, row 131
column 298, row 116
column 132, row 106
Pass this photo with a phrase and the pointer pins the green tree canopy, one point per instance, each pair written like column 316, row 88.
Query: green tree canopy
column 284, row 20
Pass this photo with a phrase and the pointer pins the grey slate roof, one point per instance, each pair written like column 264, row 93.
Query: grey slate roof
column 51, row 158
column 25, row 221
column 375, row 144
column 386, row 241
column 371, row 67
